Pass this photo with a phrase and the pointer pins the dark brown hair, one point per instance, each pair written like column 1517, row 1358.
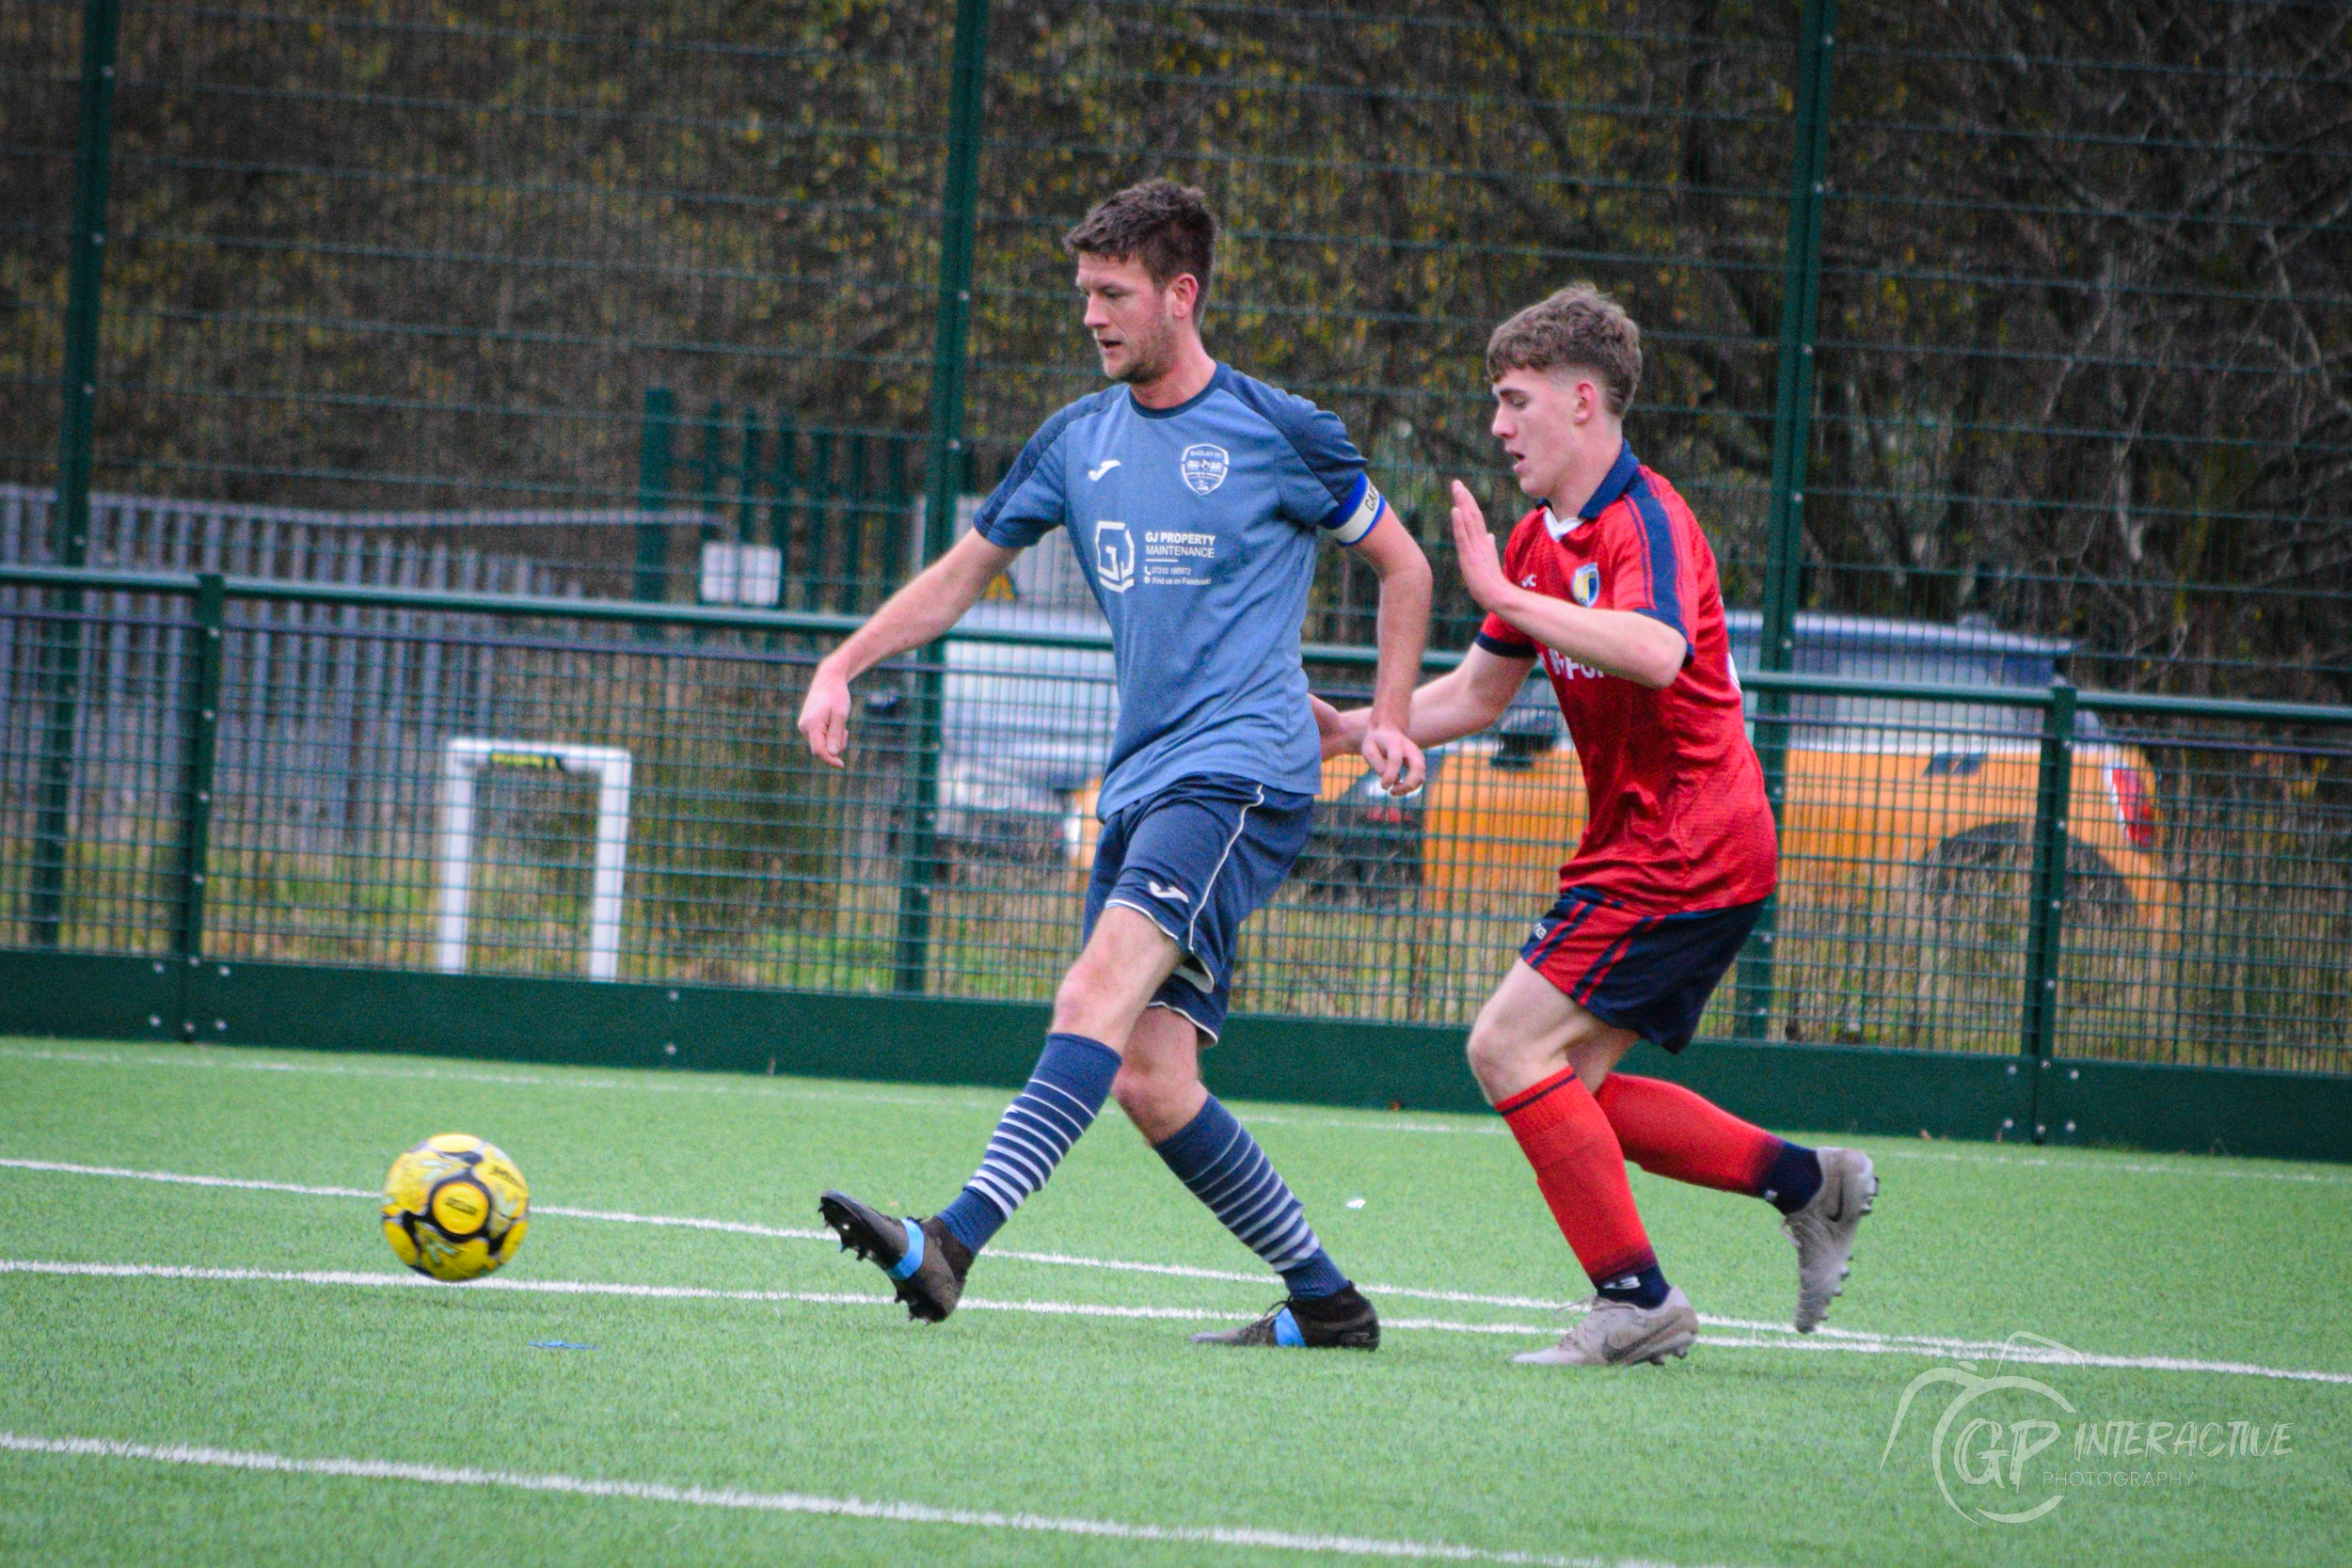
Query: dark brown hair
column 1163, row 225
column 1578, row 326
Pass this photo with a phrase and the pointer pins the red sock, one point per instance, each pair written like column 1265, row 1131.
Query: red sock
column 1668, row 1131
column 1582, row 1172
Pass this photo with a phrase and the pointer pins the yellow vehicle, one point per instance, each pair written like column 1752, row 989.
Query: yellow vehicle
column 1495, row 825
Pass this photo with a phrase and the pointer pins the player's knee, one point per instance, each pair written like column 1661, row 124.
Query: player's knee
column 1143, row 1093
column 1495, row 1053
column 1080, row 1002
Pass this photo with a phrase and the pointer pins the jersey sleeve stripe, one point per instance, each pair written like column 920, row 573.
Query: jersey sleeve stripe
column 1660, row 557
column 1504, row 647
column 1357, row 515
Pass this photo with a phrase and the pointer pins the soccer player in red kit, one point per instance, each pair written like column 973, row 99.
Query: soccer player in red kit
column 1611, row 584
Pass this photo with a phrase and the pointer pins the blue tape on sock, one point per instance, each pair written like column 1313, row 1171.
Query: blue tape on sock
column 906, row 1266
column 1286, row 1330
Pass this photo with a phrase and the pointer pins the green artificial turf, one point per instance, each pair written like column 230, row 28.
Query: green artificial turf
column 1741, row 1454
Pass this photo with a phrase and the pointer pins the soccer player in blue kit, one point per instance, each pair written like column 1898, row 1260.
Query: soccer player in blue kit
column 1194, row 496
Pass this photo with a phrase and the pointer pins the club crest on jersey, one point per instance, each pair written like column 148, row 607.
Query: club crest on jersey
column 1584, row 584
column 1114, row 556
column 1204, row 467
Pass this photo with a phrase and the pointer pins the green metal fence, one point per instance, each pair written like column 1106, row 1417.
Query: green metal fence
column 1981, row 313
column 270, row 771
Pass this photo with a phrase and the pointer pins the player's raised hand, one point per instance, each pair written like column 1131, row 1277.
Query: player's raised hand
column 1475, row 551
column 825, row 716
column 1395, row 758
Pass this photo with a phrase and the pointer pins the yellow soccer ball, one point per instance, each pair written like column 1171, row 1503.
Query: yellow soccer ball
column 455, row 1206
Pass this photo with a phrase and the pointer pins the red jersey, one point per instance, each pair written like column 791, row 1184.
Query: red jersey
column 1679, row 819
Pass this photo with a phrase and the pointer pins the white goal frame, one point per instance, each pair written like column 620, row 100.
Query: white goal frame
column 465, row 756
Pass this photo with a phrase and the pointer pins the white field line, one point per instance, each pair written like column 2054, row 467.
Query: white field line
column 1239, row 1536
column 1851, row 1338
column 1180, row 1271
column 1369, row 1121
column 944, row 1099
column 1907, row 1345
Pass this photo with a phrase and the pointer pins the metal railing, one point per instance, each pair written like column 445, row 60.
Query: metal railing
column 236, row 768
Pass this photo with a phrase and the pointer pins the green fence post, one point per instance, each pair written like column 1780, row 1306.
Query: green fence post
column 1793, row 435
column 653, row 497
column 93, row 158
column 816, row 518
column 747, row 481
column 2045, row 911
column 92, row 166
column 843, row 590
column 710, row 473
column 195, row 772
column 943, row 473
column 894, row 528
column 782, row 481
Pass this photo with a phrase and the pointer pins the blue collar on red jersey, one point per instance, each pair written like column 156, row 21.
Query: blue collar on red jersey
column 1621, row 476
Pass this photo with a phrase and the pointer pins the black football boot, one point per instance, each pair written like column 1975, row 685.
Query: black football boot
column 1344, row 1320
column 925, row 1263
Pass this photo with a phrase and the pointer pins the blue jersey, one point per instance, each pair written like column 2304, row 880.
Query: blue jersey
column 1196, row 528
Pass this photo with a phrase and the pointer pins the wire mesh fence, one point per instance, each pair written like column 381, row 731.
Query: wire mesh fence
column 385, row 257
column 2085, row 300
column 2077, row 316
column 1390, row 183
column 2206, row 908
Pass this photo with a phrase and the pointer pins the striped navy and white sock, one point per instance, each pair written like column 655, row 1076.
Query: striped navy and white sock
column 1071, row 1079
column 1216, row 1157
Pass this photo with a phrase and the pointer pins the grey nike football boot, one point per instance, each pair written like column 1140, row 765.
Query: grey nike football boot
column 1619, row 1334
column 1824, row 1231
column 926, row 1265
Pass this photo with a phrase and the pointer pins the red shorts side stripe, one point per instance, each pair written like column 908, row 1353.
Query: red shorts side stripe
column 1548, row 940
column 1608, row 961
column 1651, row 974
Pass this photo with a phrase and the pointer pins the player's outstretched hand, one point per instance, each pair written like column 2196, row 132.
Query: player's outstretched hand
column 1395, row 758
column 1341, row 734
column 1475, row 551
column 825, row 716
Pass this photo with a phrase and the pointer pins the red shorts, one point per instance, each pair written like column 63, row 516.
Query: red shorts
column 1651, row 974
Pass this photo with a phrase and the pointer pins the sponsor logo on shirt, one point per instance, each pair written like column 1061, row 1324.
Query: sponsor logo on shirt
column 1584, row 584
column 1114, row 556
column 1205, row 466
column 1178, row 558
column 1567, row 669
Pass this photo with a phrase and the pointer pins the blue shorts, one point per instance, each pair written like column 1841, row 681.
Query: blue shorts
column 1195, row 859
column 1651, row 974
